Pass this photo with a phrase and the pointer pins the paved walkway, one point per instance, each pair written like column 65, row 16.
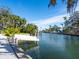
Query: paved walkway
column 6, row 51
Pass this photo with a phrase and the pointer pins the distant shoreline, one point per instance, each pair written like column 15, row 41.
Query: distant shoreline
column 63, row 33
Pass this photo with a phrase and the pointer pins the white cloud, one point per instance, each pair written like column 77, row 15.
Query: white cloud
column 43, row 23
column 53, row 20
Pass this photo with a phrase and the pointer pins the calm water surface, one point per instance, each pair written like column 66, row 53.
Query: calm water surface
column 56, row 46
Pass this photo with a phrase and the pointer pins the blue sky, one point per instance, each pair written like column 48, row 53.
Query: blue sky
column 37, row 11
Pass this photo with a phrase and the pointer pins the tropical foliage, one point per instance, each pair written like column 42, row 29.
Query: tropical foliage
column 32, row 29
column 72, row 25
column 11, row 24
column 71, row 4
column 54, row 28
column 11, row 31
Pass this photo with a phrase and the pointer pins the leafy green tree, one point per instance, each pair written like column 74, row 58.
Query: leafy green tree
column 8, row 19
column 74, row 21
column 12, row 24
column 32, row 29
column 54, row 28
column 11, row 31
column 65, row 18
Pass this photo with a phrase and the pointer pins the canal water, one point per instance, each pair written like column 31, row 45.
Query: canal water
column 56, row 46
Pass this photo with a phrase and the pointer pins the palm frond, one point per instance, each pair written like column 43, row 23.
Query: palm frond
column 71, row 4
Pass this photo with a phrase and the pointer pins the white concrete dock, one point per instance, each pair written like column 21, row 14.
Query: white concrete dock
column 26, row 37
column 6, row 51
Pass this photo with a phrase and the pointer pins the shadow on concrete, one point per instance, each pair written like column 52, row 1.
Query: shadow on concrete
column 5, row 46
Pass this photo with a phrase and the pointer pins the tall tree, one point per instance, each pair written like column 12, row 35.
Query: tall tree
column 32, row 29
column 71, row 4
column 8, row 19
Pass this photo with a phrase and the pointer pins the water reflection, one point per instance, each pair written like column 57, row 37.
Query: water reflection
column 72, row 46
column 55, row 46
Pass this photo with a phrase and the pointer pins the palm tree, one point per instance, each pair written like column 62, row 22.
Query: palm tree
column 65, row 18
column 50, row 28
column 32, row 29
column 71, row 4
